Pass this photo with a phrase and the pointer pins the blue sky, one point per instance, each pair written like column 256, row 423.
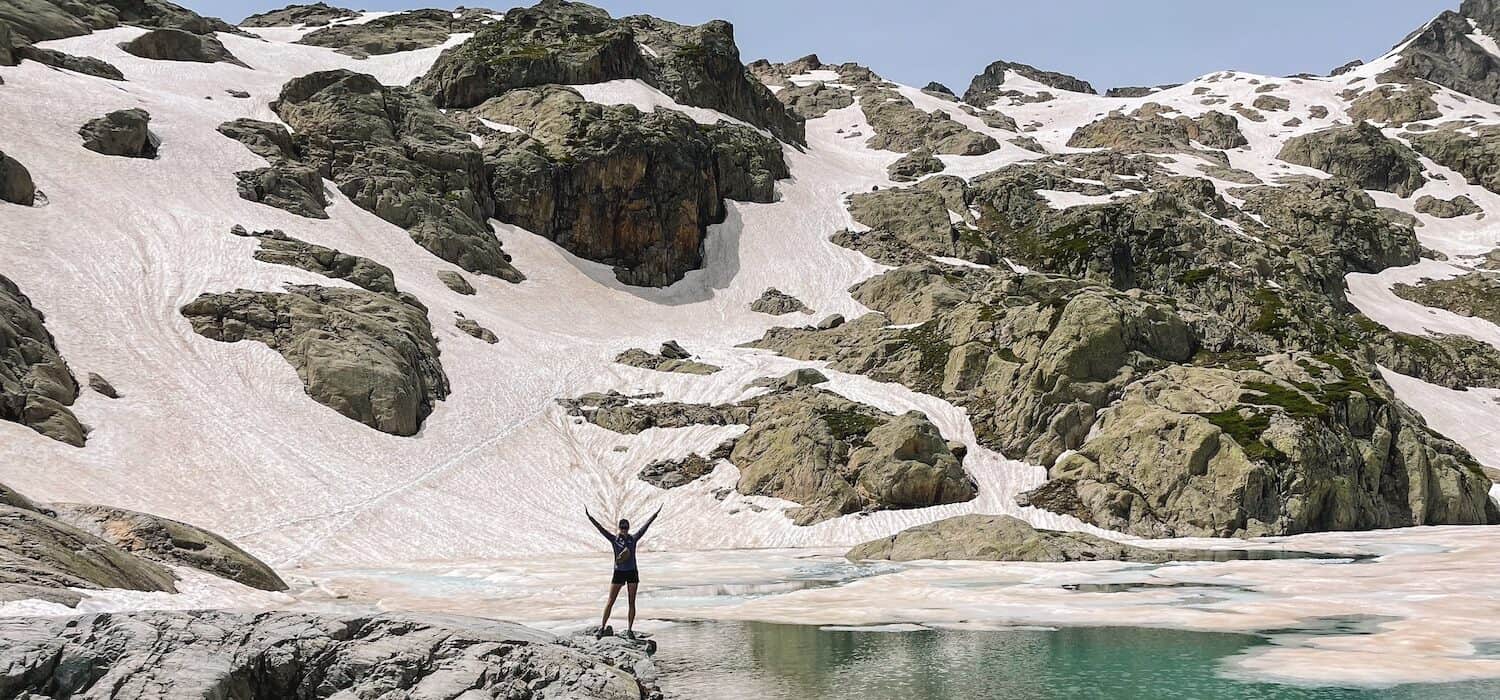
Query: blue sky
column 1107, row 42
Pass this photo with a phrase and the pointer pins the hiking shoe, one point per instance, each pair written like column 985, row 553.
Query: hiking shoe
column 629, row 634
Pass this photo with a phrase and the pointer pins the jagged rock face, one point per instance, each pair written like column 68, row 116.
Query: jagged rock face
column 573, row 43
column 986, row 86
column 39, row 552
column 1156, row 133
column 16, row 185
column 87, row 65
column 315, row 14
column 178, row 45
column 1454, row 361
column 1447, row 208
column 1444, row 54
column 365, row 355
column 170, row 542
column 610, row 184
column 278, row 248
column 814, row 100
column 998, row 538
column 1475, row 294
column 1393, row 106
column 403, row 31
column 813, row 447
column 41, row 20
column 1295, row 445
column 914, row 165
column 900, row 126
column 393, row 154
column 1475, row 157
column 1360, row 153
column 121, row 133
column 36, row 386
column 294, row 655
column 285, row 184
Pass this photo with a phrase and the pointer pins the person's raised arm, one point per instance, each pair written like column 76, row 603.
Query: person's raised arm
column 597, row 526
column 642, row 532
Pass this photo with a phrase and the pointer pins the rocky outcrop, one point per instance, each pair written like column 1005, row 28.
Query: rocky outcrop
column 1360, row 153
column 170, row 542
column 777, row 303
column 989, row 84
column 1475, row 294
column 1394, row 105
column 611, row 184
column 16, row 185
column 1442, row 53
column 672, row 473
column 1297, row 444
column 831, row 455
column 402, row 31
column 121, row 133
column 102, row 387
column 472, row 327
column 42, row 20
column 910, row 224
column 572, row 43
column 284, row 654
column 456, row 282
column 1447, row 208
column 87, row 65
column 1137, row 90
column 902, row 127
column 179, row 45
column 36, row 386
column 1154, row 133
column 914, row 165
column 286, row 183
column 1476, row 156
column 998, row 538
column 368, row 356
column 813, row 100
column 393, row 154
column 41, row 556
column 277, row 248
column 671, row 358
column 313, row 15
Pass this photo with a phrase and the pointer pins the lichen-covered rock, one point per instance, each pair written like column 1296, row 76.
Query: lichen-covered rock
column 998, row 538
column 573, row 43
column 281, row 654
column 1296, row 445
column 672, row 473
column 456, row 282
column 1475, row 294
column 36, row 386
column 1156, row 133
column 472, row 327
column 1360, row 153
column 777, row 303
column 1461, row 205
column 42, row 20
column 179, row 45
column 902, row 127
column 395, row 155
column 914, row 165
column 368, row 356
column 1271, row 103
column 910, row 224
column 1443, row 53
column 401, row 31
column 121, row 133
column 277, row 248
column 40, row 552
column 286, row 183
column 16, row 185
column 671, row 358
column 813, row 100
column 746, row 164
column 986, row 86
column 102, row 387
column 312, row 15
column 170, row 542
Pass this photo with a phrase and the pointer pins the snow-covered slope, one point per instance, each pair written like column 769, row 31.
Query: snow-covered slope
column 223, row 435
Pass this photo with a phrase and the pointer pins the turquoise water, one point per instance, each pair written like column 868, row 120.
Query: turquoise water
column 732, row 660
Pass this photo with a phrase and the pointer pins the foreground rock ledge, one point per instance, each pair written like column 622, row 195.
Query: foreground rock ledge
column 210, row 654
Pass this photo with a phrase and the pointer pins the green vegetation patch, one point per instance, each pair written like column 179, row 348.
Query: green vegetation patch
column 1246, row 431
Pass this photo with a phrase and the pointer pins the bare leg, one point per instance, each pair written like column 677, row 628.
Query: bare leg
column 630, row 625
column 614, row 592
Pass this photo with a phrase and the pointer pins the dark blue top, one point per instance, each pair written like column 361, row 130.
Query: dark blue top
column 624, row 543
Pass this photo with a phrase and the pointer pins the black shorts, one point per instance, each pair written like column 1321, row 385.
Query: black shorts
column 626, row 577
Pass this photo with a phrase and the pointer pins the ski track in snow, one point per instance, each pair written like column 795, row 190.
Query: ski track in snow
column 223, row 435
